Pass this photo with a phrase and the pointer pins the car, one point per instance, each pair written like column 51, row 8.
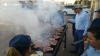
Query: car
column 68, row 10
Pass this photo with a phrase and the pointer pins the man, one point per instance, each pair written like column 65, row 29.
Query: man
column 94, row 40
column 81, row 26
column 96, row 22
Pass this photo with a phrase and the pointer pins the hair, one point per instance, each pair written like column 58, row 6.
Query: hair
column 81, row 8
column 19, row 50
column 13, row 52
column 78, row 8
column 22, row 50
column 99, row 12
column 96, row 31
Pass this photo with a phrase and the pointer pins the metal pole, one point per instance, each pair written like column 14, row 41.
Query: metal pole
column 92, row 9
column 96, row 7
column 99, row 3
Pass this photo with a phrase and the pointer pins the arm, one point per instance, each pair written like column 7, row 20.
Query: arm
column 72, row 20
column 87, row 23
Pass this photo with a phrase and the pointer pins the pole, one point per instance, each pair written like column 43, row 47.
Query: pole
column 96, row 7
column 99, row 3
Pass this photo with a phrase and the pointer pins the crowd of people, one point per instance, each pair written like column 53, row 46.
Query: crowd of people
column 20, row 45
column 83, row 30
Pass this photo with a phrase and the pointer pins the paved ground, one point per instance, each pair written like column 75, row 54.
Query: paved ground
column 66, row 52
column 69, row 39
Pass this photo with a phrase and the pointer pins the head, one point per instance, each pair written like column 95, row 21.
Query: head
column 98, row 13
column 94, row 36
column 20, row 45
column 75, row 10
column 61, row 8
column 78, row 8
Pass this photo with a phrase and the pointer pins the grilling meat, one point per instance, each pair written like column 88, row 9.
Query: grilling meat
column 45, row 43
column 46, row 49
column 53, row 41
column 56, row 37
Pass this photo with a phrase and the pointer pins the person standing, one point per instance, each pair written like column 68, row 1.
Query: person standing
column 81, row 25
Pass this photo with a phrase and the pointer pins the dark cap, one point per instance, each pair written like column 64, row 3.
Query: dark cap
column 98, row 10
column 20, row 41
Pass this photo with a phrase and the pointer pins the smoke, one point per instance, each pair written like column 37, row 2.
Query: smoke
column 37, row 21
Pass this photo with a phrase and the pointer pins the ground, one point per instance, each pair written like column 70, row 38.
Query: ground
column 66, row 51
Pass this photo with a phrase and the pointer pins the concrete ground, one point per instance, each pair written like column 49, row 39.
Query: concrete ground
column 66, row 51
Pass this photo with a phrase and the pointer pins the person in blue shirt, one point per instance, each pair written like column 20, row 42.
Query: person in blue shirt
column 94, row 40
column 81, row 25
column 96, row 22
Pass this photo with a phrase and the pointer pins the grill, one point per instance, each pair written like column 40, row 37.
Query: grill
column 57, row 46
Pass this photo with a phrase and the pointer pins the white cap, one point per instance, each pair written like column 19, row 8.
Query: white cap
column 78, row 6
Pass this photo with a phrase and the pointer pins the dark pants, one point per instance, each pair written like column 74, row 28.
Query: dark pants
column 78, row 36
column 73, row 29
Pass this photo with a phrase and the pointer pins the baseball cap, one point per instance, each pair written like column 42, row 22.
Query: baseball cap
column 98, row 10
column 20, row 40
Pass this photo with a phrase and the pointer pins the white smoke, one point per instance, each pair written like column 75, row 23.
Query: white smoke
column 35, row 21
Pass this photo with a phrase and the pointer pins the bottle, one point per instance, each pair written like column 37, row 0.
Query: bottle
column 40, row 53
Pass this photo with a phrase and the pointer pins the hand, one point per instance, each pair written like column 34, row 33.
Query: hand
column 67, row 20
column 84, row 38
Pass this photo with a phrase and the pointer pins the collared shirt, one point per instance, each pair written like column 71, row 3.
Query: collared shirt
column 91, row 51
column 81, row 21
